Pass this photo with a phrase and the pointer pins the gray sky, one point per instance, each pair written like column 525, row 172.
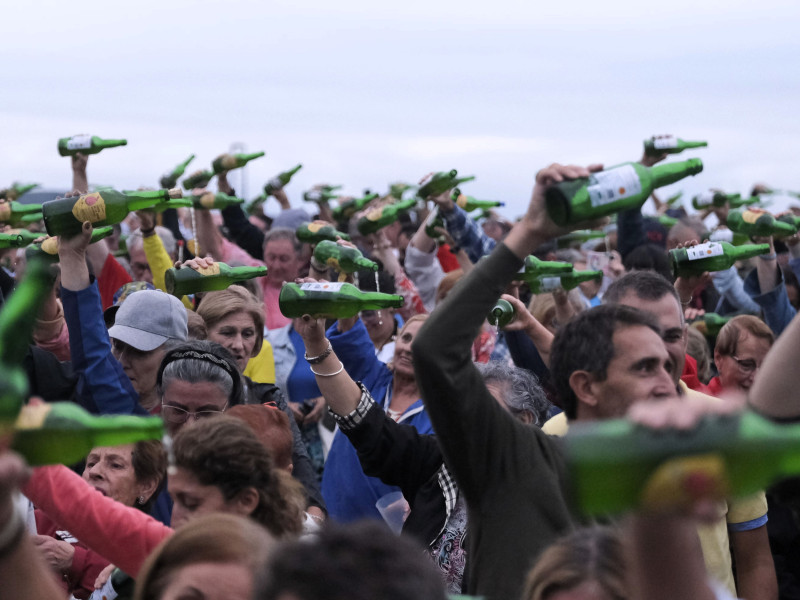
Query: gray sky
column 364, row 94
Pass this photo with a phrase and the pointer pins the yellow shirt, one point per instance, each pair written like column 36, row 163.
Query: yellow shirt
column 742, row 514
column 159, row 262
column 261, row 368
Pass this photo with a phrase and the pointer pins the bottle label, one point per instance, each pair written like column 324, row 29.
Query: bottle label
column 752, row 215
column 550, row 284
column 210, row 270
column 321, row 286
column 79, row 142
column 229, row 161
column 32, row 416
column 5, row 212
column 374, row 215
column 705, row 251
column 207, row 200
column 275, row 183
column 90, row 207
column 50, row 245
column 613, row 185
column 315, row 226
column 669, row 142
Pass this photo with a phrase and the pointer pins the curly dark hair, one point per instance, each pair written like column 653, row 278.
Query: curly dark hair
column 224, row 452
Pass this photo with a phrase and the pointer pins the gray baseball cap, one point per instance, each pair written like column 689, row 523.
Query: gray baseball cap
column 149, row 318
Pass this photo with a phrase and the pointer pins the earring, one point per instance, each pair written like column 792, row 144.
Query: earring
column 141, row 499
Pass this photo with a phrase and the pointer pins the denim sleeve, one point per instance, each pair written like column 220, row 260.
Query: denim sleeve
column 731, row 289
column 778, row 312
column 467, row 234
column 630, row 231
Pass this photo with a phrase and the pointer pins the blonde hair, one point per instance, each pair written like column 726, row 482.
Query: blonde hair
column 592, row 554
column 217, row 306
column 218, row 538
column 731, row 333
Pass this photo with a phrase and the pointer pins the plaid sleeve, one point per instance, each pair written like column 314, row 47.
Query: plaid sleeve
column 467, row 234
column 352, row 419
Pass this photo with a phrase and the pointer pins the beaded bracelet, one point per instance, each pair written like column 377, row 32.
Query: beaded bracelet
column 313, row 360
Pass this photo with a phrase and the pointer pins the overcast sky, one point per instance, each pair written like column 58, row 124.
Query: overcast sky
column 365, row 93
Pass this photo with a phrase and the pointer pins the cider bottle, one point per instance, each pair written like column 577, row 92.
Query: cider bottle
column 622, row 187
column 317, row 231
column 440, row 182
column 209, row 200
column 198, row 179
column 378, row 218
column 342, row 258
column 218, row 276
column 47, row 249
column 712, row 198
column 331, row 300
column 710, row 324
column 349, row 207
column 65, row 216
column 534, row 268
column 756, row 222
column 86, row 144
column 501, row 314
column 12, row 211
column 566, row 282
column 711, row 256
column 468, row 203
column 228, row 162
column 579, row 237
column 669, row 144
column 170, row 180
column 16, row 190
column 280, row 180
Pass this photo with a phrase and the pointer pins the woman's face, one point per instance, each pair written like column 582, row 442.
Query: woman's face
column 379, row 324
column 402, row 362
column 210, row 581
column 192, row 499
column 184, row 402
column 237, row 333
column 110, row 471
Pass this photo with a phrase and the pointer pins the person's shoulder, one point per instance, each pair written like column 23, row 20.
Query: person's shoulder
column 556, row 425
column 695, row 396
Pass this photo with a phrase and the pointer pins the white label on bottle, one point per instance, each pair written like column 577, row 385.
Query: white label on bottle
column 550, row 284
column 668, row 142
column 321, row 286
column 79, row 142
column 275, row 183
column 705, row 251
column 613, row 185
column 721, row 235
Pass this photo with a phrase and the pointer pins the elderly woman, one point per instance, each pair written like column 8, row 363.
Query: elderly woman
column 219, row 466
column 235, row 320
column 131, row 474
column 741, row 346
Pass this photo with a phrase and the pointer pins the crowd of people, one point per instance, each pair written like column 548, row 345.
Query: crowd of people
column 286, row 436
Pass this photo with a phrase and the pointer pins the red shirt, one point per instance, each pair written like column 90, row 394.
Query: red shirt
column 689, row 377
column 111, row 278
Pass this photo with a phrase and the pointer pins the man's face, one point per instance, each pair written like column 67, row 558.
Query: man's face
column 737, row 372
column 640, row 370
column 674, row 333
column 281, row 260
column 139, row 265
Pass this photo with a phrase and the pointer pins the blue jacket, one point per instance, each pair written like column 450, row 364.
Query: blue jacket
column 349, row 494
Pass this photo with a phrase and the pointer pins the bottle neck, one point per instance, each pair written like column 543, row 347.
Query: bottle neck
column 670, row 173
column 749, row 251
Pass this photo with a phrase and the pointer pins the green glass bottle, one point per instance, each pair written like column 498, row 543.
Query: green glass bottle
column 198, row 179
column 255, row 206
column 669, row 144
column 440, row 182
column 317, row 231
column 210, row 200
column 622, row 187
column 219, row 276
column 65, row 216
column 710, row 324
column 86, row 144
column 756, row 222
column 16, row 190
column 501, row 314
column 396, row 190
column 342, row 258
column 711, row 256
column 65, row 433
column 713, row 199
column 17, row 319
column 280, row 180
column 319, row 196
column 667, row 221
column 579, row 237
column 615, row 465
column 170, row 180
column 331, row 300
column 726, row 235
column 20, row 238
column 673, row 200
column 47, row 249
column 533, row 268
column 566, row 282
column 349, row 207
column 468, row 203
column 228, row 162
column 10, row 240
column 16, row 212
column 173, row 203
column 740, row 202
column 379, row 218
column 433, row 221
column 790, row 219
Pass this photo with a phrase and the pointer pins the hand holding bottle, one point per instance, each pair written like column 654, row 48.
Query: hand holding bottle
column 444, row 200
column 648, row 160
column 80, row 180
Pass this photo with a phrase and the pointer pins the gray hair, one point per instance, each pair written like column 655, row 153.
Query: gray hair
column 195, row 370
column 523, row 392
column 284, row 233
column 167, row 238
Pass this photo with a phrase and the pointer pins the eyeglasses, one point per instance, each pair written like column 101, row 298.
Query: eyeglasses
column 177, row 415
column 746, row 366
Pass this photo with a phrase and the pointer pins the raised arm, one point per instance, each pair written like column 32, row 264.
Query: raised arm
column 774, row 392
